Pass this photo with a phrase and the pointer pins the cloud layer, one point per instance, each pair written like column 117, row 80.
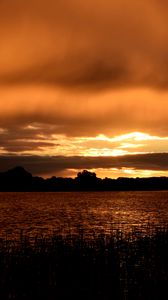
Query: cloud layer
column 87, row 114
column 53, row 165
column 80, row 69
column 87, row 43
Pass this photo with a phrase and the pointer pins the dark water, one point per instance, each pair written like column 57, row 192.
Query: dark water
column 44, row 213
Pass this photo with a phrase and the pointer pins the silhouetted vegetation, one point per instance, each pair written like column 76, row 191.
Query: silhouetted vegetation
column 117, row 266
column 18, row 179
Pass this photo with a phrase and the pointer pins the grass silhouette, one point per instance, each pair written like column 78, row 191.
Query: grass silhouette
column 114, row 266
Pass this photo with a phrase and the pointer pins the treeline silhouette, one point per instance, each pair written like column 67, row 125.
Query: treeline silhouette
column 19, row 180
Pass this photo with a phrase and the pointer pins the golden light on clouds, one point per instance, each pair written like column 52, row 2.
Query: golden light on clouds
column 125, row 172
column 84, row 79
column 101, row 145
column 134, row 143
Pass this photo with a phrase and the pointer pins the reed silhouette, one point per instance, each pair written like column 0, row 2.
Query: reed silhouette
column 102, row 267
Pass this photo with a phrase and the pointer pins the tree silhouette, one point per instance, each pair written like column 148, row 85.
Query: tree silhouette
column 86, row 180
column 18, row 179
column 86, row 175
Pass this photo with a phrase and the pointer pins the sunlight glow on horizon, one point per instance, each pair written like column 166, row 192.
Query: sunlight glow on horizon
column 114, row 173
column 68, row 90
column 100, row 145
column 132, row 143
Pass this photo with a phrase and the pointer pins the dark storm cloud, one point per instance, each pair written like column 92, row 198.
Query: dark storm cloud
column 84, row 43
column 30, row 138
column 21, row 146
column 52, row 165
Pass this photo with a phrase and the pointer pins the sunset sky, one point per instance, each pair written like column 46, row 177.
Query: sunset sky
column 84, row 85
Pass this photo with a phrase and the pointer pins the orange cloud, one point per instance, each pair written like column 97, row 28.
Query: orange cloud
column 85, row 114
column 80, row 69
column 86, row 44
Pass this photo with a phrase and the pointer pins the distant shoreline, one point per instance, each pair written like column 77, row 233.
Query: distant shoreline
column 19, row 180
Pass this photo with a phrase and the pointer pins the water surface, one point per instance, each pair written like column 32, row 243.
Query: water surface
column 43, row 213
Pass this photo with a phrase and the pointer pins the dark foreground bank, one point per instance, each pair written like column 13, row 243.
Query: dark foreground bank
column 72, row 267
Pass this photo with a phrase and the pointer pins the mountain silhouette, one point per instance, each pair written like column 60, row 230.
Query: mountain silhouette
column 20, row 180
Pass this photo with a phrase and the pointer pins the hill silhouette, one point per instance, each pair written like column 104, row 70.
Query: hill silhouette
column 19, row 180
